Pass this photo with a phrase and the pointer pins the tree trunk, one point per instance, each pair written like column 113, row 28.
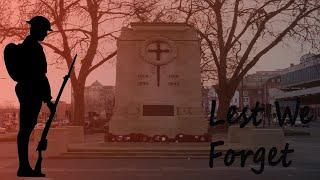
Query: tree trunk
column 224, row 103
column 78, row 106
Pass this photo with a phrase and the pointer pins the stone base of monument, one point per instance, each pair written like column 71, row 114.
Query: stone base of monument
column 266, row 138
column 235, row 133
column 251, row 138
column 139, row 150
column 37, row 178
column 159, row 126
column 57, row 141
column 256, row 137
column 75, row 134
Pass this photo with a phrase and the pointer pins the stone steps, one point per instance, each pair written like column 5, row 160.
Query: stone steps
column 140, row 150
column 134, row 153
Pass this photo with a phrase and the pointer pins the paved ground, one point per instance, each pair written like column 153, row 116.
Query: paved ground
column 157, row 169
column 306, row 165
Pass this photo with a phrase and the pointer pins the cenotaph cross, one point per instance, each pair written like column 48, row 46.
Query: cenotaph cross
column 158, row 52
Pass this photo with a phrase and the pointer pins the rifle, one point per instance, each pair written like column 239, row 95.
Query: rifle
column 42, row 146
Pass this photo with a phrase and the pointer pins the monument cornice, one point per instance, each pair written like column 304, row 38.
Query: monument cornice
column 137, row 26
column 181, row 40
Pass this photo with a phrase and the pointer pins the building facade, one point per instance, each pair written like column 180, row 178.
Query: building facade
column 99, row 101
column 212, row 95
column 62, row 115
column 254, row 87
column 9, row 118
column 285, row 86
column 302, row 81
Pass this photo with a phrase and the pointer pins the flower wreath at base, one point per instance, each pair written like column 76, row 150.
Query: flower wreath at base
column 139, row 137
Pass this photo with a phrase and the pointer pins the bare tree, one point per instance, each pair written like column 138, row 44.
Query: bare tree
column 235, row 34
column 86, row 27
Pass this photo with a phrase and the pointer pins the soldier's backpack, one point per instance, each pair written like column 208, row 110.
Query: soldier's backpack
column 12, row 58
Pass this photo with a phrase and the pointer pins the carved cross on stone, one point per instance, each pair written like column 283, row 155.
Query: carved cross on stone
column 158, row 52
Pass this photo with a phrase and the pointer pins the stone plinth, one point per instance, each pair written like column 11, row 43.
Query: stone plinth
column 264, row 138
column 158, row 87
column 57, row 141
column 75, row 134
column 37, row 178
column 235, row 133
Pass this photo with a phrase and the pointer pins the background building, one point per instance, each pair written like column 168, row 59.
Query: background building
column 210, row 94
column 9, row 118
column 62, row 115
column 303, row 81
column 285, row 85
column 254, row 87
column 99, row 103
column 99, row 100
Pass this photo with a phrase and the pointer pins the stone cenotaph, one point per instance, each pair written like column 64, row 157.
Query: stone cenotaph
column 158, row 87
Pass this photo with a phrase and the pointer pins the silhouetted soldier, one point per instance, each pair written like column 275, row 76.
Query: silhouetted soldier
column 32, row 89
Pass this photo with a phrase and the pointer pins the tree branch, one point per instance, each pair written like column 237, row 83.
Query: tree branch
column 55, row 49
column 102, row 61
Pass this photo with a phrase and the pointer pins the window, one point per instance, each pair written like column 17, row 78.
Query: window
column 245, row 93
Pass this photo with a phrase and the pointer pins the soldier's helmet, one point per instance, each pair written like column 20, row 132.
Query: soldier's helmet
column 40, row 21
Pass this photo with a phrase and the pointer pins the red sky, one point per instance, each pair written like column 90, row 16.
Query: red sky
column 105, row 74
column 279, row 57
